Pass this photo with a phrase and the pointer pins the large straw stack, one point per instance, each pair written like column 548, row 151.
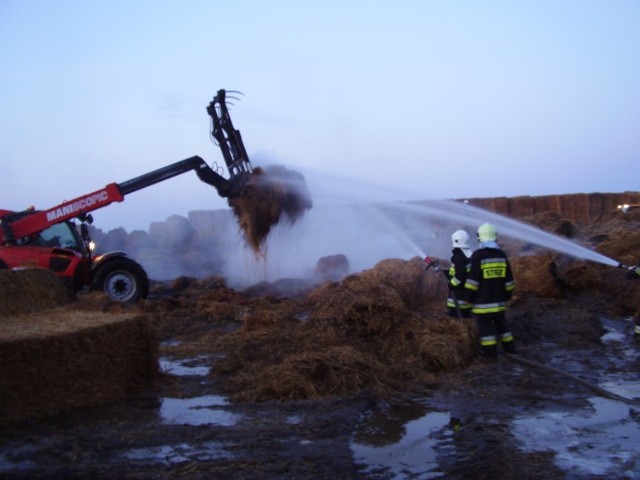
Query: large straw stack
column 54, row 359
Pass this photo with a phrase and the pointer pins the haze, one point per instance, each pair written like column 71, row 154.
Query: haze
column 411, row 99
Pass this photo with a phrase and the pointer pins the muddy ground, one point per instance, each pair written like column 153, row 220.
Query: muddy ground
column 141, row 438
column 210, row 415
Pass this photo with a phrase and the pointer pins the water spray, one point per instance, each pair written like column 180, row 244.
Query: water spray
column 451, row 210
column 395, row 230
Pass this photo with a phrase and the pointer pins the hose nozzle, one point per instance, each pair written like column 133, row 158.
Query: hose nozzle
column 431, row 263
column 631, row 268
column 634, row 270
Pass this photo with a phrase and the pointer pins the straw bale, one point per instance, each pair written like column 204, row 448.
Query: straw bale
column 31, row 290
column 101, row 302
column 551, row 203
column 520, row 206
column 332, row 267
column 581, row 204
column 596, row 205
column 555, row 223
column 59, row 360
column 499, row 205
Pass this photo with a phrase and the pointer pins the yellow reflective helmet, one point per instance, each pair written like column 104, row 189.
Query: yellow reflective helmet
column 486, row 233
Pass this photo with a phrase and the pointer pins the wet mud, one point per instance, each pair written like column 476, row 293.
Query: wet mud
column 493, row 419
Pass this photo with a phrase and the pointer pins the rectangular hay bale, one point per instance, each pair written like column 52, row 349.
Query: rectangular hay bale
column 59, row 360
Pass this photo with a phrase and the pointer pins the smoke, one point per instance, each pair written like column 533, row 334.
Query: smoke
column 349, row 217
column 365, row 233
column 364, row 222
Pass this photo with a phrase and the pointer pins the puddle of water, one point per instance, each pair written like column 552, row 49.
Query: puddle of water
column 9, row 465
column 197, row 411
column 602, row 440
column 617, row 339
column 182, row 368
column 182, row 452
column 294, row 419
column 403, row 450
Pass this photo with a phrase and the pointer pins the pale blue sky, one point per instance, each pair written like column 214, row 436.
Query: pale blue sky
column 443, row 99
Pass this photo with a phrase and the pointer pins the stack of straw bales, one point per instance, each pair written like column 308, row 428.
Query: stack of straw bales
column 55, row 358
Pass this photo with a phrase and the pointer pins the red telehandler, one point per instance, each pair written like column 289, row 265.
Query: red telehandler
column 52, row 240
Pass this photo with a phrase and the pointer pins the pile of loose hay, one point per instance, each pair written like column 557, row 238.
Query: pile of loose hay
column 346, row 337
column 385, row 328
column 270, row 193
column 416, row 287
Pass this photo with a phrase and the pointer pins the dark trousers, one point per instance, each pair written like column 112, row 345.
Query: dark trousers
column 493, row 328
column 465, row 312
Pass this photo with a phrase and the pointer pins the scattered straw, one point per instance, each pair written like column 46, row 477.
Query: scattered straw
column 269, row 194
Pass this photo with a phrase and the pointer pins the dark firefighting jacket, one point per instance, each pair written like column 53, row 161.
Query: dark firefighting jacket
column 489, row 284
column 460, row 266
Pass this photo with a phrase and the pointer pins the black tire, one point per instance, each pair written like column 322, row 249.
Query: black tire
column 122, row 279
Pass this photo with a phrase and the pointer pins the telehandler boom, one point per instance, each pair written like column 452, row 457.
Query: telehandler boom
column 49, row 238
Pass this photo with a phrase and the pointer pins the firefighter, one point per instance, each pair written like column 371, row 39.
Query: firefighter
column 489, row 287
column 458, row 274
column 635, row 273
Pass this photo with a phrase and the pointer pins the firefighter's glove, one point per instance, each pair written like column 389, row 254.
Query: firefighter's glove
column 634, row 272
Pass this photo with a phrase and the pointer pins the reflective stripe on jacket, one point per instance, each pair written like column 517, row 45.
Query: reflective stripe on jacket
column 490, row 283
column 458, row 271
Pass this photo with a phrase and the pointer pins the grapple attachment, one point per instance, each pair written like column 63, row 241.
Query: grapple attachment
column 230, row 142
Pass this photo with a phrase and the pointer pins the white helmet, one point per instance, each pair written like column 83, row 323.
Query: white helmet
column 460, row 239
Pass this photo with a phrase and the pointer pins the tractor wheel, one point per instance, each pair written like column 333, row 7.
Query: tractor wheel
column 122, row 279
